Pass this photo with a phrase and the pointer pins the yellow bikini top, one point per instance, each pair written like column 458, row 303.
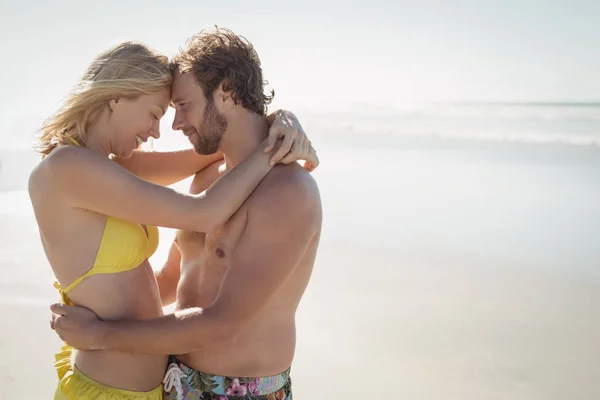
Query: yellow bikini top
column 124, row 246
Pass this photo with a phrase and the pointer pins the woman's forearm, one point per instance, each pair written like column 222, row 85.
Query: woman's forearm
column 226, row 195
column 166, row 168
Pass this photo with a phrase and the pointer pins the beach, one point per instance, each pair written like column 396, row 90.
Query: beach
column 454, row 267
column 460, row 181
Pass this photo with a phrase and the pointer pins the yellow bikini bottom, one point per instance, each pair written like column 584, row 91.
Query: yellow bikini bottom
column 73, row 384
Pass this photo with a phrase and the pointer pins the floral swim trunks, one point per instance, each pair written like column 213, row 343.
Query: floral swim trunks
column 184, row 383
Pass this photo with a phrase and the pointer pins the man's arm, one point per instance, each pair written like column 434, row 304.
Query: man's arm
column 280, row 228
column 168, row 277
column 166, row 168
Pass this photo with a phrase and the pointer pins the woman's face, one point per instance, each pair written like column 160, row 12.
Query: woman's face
column 134, row 121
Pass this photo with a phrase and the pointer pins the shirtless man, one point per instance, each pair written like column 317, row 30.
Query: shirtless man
column 238, row 287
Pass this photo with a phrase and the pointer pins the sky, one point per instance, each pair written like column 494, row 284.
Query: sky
column 322, row 55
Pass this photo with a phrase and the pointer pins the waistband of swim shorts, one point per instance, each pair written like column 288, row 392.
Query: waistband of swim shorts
column 220, row 385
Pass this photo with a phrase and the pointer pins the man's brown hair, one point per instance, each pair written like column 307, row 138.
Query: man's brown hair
column 223, row 57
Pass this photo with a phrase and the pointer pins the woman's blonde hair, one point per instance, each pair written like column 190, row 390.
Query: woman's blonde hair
column 127, row 70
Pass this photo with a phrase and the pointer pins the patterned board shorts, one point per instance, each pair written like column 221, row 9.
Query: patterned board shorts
column 185, row 383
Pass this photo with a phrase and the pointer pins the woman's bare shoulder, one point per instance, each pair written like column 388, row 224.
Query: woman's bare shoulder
column 63, row 163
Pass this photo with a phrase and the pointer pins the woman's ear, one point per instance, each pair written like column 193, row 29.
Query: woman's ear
column 112, row 104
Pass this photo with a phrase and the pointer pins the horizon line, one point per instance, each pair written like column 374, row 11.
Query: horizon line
column 540, row 103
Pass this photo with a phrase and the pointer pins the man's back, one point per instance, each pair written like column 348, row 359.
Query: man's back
column 255, row 268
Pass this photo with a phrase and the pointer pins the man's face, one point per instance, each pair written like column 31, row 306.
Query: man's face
column 196, row 115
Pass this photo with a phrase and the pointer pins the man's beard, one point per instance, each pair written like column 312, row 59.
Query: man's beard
column 211, row 131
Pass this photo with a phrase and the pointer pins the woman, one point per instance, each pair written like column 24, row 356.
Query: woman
column 98, row 221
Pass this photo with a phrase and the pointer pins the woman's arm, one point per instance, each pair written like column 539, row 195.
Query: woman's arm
column 284, row 125
column 166, row 168
column 89, row 181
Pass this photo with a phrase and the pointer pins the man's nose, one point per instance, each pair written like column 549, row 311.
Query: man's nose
column 178, row 122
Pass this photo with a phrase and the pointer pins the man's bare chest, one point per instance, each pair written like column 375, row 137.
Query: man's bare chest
column 206, row 257
column 214, row 247
column 205, row 260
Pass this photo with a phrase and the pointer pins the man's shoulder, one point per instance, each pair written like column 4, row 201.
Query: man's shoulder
column 286, row 188
column 288, row 181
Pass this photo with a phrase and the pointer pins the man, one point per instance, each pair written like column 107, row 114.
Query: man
column 239, row 286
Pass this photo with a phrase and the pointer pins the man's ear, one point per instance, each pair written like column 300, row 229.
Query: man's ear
column 224, row 98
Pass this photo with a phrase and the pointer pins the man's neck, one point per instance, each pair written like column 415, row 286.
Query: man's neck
column 244, row 134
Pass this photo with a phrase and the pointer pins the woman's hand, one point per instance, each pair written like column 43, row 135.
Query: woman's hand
column 295, row 144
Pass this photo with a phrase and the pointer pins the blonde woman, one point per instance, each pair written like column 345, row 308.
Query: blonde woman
column 97, row 218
